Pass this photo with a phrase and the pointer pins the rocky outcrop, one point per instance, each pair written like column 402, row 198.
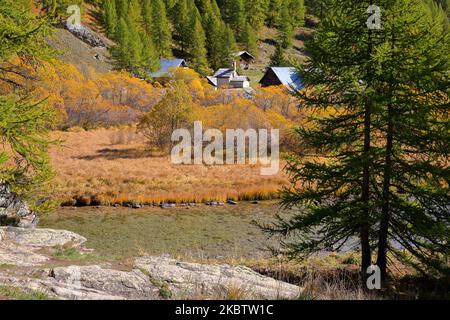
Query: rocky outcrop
column 130, row 285
column 55, row 289
column 20, row 247
column 42, row 237
column 86, row 35
column 14, row 210
column 150, row 277
column 194, row 279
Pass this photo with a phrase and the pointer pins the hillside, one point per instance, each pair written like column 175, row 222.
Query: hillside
column 74, row 51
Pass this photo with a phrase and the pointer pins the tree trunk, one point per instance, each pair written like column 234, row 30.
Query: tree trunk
column 385, row 209
column 366, row 255
column 364, row 229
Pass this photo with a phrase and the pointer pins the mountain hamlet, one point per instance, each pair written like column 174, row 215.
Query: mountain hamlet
column 93, row 205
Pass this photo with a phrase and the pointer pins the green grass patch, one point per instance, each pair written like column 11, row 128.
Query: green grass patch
column 20, row 294
column 198, row 232
column 73, row 254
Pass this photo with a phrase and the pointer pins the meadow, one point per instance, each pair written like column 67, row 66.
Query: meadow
column 115, row 166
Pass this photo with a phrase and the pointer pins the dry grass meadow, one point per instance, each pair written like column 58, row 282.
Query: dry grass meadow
column 114, row 166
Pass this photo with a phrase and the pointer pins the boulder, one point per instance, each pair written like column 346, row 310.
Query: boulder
column 55, row 289
column 130, row 285
column 86, row 35
column 13, row 210
column 41, row 237
column 19, row 256
column 192, row 279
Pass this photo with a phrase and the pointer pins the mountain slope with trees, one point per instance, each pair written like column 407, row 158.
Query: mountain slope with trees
column 206, row 32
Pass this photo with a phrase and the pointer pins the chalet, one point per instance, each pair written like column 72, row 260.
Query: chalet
column 228, row 77
column 166, row 66
column 282, row 76
column 245, row 58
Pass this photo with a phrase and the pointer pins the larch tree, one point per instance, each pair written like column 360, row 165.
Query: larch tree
column 233, row 14
column 257, row 11
column 297, row 9
column 277, row 59
column 110, row 17
column 181, row 20
column 228, row 46
column 161, row 34
column 24, row 121
column 147, row 16
column 121, row 8
column 376, row 166
column 215, row 41
column 197, row 45
column 120, row 51
column 249, row 39
column 412, row 77
column 273, row 13
column 286, row 29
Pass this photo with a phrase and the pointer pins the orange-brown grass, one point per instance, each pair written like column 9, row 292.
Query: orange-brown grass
column 109, row 166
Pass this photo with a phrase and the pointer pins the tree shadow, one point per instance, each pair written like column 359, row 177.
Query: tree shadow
column 115, row 154
column 270, row 42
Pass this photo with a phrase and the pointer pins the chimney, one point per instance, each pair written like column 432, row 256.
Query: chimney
column 234, row 66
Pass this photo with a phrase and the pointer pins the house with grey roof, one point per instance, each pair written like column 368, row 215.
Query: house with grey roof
column 166, row 67
column 282, row 76
column 229, row 78
column 245, row 58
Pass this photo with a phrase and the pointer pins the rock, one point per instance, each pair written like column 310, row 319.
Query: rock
column 55, row 289
column 13, row 210
column 86, row 35
column 42, row 237
column 12, row 254
column 130, row 285
column 232, row 202
column 167, row 205
column 193, row 279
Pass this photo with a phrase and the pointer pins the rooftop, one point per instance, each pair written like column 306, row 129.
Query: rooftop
column 166, row 65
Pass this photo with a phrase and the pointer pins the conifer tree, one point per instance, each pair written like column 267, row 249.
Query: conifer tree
column 215, row 9
column 215, row 41
column 286, row 30
column 233, row 14
column 170, row 4
column 297, row 10
column 277, row 59
column 25, row 121
column 375, row 167
column 122, row 8
column 181, row 21
column 134, row 15
column 197, row 45
column 273, row 15
column 229, row 47
column 161, row 34
column 120, row 51
column 257, row 11
column 147, row 16
column 249, row 39
column 150, row 56
column 110, row 17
